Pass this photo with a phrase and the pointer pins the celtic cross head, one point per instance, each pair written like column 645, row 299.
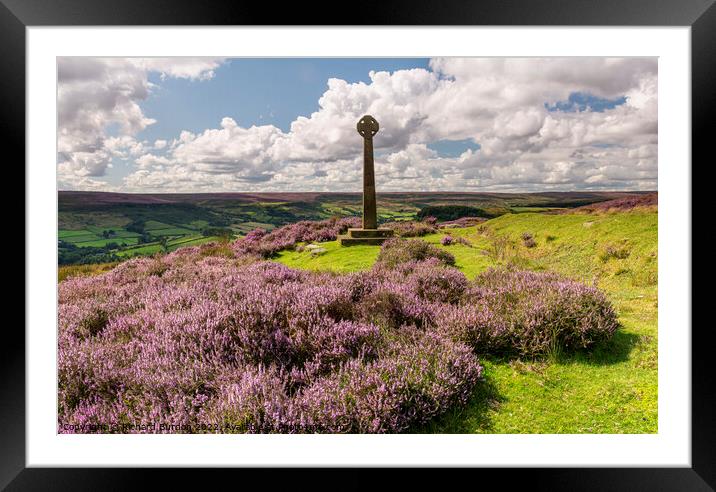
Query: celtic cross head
column 367, row 126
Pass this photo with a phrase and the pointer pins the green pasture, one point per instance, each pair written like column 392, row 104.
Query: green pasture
column 128, row 242
column 64, row 234
column 98, row 243
column 156, row 247
column 94, row 238
column 172, row 231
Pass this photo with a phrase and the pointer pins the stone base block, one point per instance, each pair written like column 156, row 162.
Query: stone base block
column 365, row 236
column 370, row 232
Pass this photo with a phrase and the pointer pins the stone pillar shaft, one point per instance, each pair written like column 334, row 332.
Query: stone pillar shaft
column 370, row 214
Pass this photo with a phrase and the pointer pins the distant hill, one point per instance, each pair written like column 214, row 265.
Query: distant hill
column 82, row 199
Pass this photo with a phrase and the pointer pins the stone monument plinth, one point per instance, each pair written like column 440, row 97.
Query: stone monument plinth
column 365, row 236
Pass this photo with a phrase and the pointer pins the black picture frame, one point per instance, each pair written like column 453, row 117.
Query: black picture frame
column 16, row 15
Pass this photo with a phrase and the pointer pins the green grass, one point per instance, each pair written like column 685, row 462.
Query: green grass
column 147, row 249
column 67, row 235
column 197, row 224
column 336, row 258
column 88, row 216
column 80, row 238
column 127, row 242
column 93, row 235
column 120, row 241
column 610, row 389
column 171, row 231
column 123, row 233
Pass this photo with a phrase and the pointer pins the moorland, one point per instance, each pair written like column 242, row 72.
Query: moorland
column 536, row 314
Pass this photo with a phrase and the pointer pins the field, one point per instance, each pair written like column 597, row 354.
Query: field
column 612, row 389
column 108, row 227
column 118, row 237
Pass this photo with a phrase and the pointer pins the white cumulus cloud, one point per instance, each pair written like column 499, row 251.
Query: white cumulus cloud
column 99, row 108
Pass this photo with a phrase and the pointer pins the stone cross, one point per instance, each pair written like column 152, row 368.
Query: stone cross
column 367, row 128
column 370, row 233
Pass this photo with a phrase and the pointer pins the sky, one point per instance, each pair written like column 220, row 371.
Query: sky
column 167, row 125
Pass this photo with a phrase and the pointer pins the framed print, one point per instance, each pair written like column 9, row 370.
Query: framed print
column 454, row 236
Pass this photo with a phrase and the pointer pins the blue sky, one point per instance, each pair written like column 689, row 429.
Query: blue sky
column 493, row 124
column 255, row 91
column 581, row 101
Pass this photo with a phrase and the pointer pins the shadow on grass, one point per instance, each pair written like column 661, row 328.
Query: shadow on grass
column 473, row 417
column 613, row 351
column 476, row 415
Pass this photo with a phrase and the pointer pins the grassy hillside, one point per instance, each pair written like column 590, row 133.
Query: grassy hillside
column 612, row 389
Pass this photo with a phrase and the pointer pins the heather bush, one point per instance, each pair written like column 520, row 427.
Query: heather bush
column 251, row 400
column 462, row 222
column 412, row 228
column 446, row 240
column 299, row 328
column 384, row 293
column 385, row 308
column 419, row 375
column 528, row 313
column 397, row 251
column 432, row 281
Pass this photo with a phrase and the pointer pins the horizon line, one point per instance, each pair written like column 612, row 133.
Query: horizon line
column 341, row 192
